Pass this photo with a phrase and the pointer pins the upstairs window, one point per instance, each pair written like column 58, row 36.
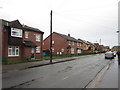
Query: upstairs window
column 38, row 37
column 16, row 32
column 26, row 34
column 80, row 44
column 69, row 42
column 72, row 43
column 53, row 42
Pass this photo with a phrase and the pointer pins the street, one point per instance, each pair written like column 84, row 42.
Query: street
column 72, row 74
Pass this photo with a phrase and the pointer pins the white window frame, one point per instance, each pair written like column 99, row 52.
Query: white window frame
column 11, row 48
column 37, row 36
column 38, row 49
column 62, row 50
column 80, row 44
column 26, row 34
column 77, row 44
column 72, row 43
column 53, row 42
column 53, row 49
column 18, row 32
column 32, row 50
column 69, row 42
column 79, row 51
column 72, row 51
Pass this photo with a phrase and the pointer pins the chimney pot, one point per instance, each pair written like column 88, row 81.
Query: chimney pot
column 69, row 35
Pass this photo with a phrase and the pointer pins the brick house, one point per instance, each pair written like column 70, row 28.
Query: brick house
column 62, row 44
column 84, row 45
column 115, row 48
column 87, row 46
column 20, row 41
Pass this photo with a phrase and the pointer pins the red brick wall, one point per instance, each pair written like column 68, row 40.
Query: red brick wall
column 32, row 37
column 59, row 43
column 4, row 42
column 23, row 51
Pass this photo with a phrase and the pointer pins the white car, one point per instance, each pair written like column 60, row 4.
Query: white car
column 109, row 55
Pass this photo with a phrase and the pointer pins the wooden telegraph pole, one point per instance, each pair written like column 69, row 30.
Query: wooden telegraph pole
column 51, row 37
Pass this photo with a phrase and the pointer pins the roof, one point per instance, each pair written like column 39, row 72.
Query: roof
column 3, row 22
column 17, row 24
column 68, row 38
column 29, row 43
column 31, row 29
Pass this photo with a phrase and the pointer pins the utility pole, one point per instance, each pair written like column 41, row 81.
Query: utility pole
column 100, row 42
column 51, row 37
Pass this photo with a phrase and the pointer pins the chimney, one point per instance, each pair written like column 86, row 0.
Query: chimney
column 78, row 39
column 69, row 35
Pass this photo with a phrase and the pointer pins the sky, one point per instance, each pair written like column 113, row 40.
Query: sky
column 90, row 20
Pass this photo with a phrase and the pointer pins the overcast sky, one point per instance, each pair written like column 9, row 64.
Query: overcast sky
column 89, row 20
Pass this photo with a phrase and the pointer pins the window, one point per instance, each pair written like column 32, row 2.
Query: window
column 77, row 44
column 32, row 50
column 62, row 50
column 37, row 37
column 38, row 49
column 53, row 49
column 26, row 34
column 16, row 32
column 69, row 42
column 13, row 51
column 80, row 44
column 72, row 43
column 72, row 50
column 53, row 42
column 79, row 51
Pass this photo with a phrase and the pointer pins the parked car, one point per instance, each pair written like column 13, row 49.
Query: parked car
column 109, row 55
column 115, row 52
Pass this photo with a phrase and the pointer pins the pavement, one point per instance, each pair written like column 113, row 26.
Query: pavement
column 110, row 77
column 21, row 66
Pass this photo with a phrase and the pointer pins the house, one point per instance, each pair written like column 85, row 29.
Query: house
column 83, row 45
column 87, row 46
column 20, row 41
column 62, row 44
column 115, row 48
column 106, row 48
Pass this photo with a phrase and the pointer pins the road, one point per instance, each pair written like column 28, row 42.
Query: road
column 72, row 74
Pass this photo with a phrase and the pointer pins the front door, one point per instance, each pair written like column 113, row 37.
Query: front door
column 79, row 51
column 32, row 52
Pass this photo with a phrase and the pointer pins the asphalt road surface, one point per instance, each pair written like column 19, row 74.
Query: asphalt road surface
column 71, row 74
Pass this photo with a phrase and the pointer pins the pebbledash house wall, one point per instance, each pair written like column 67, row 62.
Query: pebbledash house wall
column 59, row 43
column 32, row 37
column 6, row 39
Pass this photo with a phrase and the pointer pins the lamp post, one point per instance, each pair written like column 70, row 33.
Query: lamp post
column 118, row 51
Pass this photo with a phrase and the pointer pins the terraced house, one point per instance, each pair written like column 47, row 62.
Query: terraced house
column 62, row 44
column 20, row 41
